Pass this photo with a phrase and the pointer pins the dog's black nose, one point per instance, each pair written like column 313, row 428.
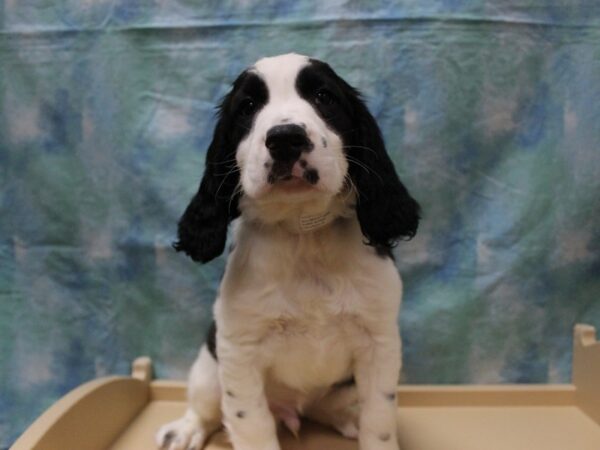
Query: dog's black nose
column 287, row 142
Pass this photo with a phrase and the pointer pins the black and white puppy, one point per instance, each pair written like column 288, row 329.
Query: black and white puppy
column 306, row 315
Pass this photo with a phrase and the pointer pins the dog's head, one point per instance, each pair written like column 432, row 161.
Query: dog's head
column 292, row 129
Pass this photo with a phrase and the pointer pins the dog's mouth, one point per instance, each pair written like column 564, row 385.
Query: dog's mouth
column 293, row 175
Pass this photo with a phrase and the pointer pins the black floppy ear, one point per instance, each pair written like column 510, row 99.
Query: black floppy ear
column 385, row 209
column 202, row 229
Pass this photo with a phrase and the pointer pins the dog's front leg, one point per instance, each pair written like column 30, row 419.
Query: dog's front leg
column 377, row 369
column 246, row 413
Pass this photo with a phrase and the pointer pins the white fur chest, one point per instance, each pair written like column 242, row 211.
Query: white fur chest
column 305, row 354
column 305, row 301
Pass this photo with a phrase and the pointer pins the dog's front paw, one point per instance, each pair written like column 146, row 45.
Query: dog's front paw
column 182, row 434
column 383, row 441
column 348, row 429
column 346, row 422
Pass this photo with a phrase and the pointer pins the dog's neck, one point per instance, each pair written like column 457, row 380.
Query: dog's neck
column 299, row 215
column 270, row 235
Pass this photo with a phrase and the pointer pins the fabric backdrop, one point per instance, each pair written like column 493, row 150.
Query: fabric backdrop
column 491, row 112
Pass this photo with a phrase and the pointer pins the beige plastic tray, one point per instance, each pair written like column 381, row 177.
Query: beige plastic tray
column 124, row 412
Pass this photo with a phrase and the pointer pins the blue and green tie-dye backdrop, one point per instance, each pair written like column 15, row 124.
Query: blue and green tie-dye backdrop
column 491, row 111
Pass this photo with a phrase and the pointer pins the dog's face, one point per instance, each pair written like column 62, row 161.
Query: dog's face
column 283, row 104
column 291, row 128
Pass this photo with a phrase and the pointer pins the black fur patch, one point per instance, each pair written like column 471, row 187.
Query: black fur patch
column 202, row 229
column 211, row 340
column 384, row 252
column 345, row 383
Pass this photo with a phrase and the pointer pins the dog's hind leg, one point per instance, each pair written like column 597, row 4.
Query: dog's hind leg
column 203, row 416
column 338, row 409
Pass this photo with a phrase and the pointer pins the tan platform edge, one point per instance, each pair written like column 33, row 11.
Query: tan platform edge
column 123, row 413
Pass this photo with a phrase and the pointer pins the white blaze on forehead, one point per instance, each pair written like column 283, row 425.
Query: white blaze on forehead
column 280, row 72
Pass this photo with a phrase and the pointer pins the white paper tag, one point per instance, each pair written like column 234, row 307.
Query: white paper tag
column 309, row 223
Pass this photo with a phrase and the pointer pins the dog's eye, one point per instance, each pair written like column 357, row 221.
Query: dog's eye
column 324, row 97
column 247, row 107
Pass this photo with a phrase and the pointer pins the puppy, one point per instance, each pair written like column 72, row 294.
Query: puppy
column 306, row 315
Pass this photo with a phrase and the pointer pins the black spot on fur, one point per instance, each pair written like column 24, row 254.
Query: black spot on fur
column 385, row 437
column 229, row 394
column 391, row 396
column 240, row 414
column 311, row 175
column 168, row 438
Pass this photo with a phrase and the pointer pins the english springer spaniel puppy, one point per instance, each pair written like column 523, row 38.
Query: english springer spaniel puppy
column 306, row 314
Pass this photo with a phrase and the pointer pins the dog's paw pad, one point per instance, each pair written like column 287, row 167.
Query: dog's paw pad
column 180, row 435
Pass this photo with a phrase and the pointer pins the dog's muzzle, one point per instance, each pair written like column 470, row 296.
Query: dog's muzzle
column 286, row 144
